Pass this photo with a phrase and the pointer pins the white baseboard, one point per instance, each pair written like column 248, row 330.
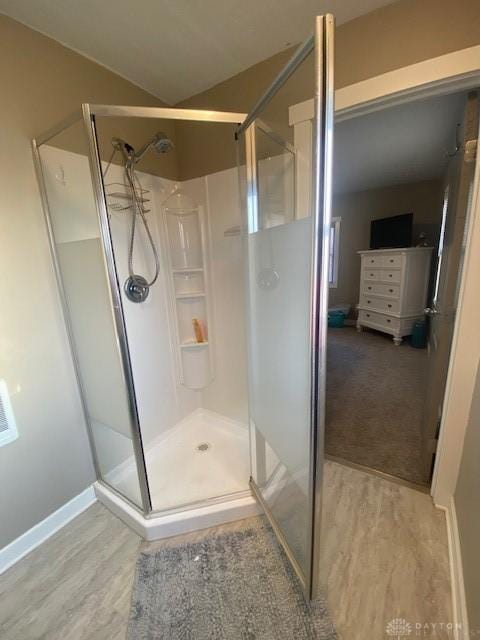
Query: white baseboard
column 459, row 603
column 32, row 538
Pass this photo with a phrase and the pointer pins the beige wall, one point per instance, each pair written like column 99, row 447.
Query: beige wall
column 357, row 210
column 394, row 36
column 468, row 511
column 42, row 82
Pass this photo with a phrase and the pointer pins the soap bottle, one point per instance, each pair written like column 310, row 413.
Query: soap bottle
column 198, row 330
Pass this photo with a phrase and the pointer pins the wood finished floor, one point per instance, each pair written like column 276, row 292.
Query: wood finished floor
column 385, row 557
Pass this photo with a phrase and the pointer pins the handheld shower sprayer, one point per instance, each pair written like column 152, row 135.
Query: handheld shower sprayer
column 160, row 143
column 136, row 286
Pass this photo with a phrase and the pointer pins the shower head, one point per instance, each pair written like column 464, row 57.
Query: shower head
column 160, row 142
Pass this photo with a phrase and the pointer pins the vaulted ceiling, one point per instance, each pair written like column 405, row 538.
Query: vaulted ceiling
column 177, row 48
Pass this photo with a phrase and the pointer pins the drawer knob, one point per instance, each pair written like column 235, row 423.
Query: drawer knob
column 368, row 315
column 389, row 275
column 369, row 288
column 388, row 320
column 389, row 306
column 371, row 275
column 391, row 259
column 369, row 301
column 391, row 290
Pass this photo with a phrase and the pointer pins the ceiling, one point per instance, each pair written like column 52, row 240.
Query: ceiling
column 175, row 49
column 398, row 145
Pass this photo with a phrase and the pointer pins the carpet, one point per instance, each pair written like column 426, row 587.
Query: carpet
column 375, row 396
column 233, row 586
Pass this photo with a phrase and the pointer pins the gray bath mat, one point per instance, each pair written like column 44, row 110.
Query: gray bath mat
column 235, row 586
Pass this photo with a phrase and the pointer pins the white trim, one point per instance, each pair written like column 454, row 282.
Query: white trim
column 463, row 364
column 7, row 436
column 459, row 603
column 451, row 72
column 35, row 536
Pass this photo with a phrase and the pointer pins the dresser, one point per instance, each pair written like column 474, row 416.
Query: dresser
column 393, row 289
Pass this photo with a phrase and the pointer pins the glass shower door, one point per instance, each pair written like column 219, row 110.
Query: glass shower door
column 62, row 162
column 288, row 182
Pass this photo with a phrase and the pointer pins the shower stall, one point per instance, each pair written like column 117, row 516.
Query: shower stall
column 189, row 248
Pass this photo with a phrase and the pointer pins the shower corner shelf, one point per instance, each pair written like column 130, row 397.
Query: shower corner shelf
column 176, row 211
column 189, row 294
column 193, row 345
column 187, row 253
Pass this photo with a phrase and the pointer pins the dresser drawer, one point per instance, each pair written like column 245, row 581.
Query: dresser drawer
column 381, row 304
column 390, row 275
column 372, row 261
column 391, row 261
column 378, row 320
column 371, row 274
column 378, row 288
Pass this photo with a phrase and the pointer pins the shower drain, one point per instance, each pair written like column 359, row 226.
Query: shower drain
column 203, row 447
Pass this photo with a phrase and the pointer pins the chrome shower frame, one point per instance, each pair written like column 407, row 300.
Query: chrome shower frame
column 89, row 113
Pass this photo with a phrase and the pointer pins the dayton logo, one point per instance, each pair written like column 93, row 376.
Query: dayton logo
column 398, row 628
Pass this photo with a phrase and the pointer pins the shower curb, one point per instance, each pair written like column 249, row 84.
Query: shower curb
column 165, row 525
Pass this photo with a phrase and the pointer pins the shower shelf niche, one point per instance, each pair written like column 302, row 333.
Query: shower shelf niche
column 185, row 234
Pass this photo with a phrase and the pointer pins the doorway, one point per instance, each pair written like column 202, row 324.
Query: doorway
column 406, row 165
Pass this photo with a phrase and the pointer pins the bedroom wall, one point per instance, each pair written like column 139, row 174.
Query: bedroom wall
column 357, row 210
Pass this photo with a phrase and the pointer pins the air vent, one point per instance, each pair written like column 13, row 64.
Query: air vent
column 8, row 429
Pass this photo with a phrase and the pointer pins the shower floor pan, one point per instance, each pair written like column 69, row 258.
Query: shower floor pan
column 198, row 476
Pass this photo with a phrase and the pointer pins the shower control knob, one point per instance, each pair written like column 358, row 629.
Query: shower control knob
column 136, row 289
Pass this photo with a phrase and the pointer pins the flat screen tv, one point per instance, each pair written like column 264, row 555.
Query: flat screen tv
column 391, row 233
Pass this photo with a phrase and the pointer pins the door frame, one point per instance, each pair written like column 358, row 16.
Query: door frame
column 449, row 73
